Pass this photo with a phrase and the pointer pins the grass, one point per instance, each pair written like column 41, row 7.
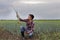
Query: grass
column 44, row 29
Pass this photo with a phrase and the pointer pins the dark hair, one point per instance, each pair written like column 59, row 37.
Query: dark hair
column 32, row 16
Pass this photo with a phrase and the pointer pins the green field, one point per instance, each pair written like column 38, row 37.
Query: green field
column 44, row 29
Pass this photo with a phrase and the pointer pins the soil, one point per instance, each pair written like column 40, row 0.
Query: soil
column 6, row 35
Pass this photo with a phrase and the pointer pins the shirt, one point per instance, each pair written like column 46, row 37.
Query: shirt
column 29, row 25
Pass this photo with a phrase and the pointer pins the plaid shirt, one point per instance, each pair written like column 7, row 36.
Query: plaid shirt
column 29, row 25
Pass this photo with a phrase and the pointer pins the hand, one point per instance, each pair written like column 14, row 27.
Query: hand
column 17, row 15
column 26, row 32
column 29, row 31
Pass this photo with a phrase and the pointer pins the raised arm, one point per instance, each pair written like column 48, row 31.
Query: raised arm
column 17, row 15
column 24, row 20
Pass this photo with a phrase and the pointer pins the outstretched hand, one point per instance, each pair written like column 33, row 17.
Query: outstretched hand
column 17, row 14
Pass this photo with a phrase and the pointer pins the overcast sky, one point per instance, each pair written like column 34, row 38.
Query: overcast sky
column 41, row 9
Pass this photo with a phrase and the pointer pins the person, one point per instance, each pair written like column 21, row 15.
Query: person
column 29, row 29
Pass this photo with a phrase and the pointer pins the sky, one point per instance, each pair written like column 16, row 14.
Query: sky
column 41, row 9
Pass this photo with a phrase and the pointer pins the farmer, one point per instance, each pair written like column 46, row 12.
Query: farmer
column 29, row 25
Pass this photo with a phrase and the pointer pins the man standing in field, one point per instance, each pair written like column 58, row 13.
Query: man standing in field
column 29, row 25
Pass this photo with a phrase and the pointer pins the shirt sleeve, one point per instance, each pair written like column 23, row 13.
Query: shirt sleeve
column 24, row 20
column 32, row 28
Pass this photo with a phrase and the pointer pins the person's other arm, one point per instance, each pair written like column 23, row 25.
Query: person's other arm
column 32, row 28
